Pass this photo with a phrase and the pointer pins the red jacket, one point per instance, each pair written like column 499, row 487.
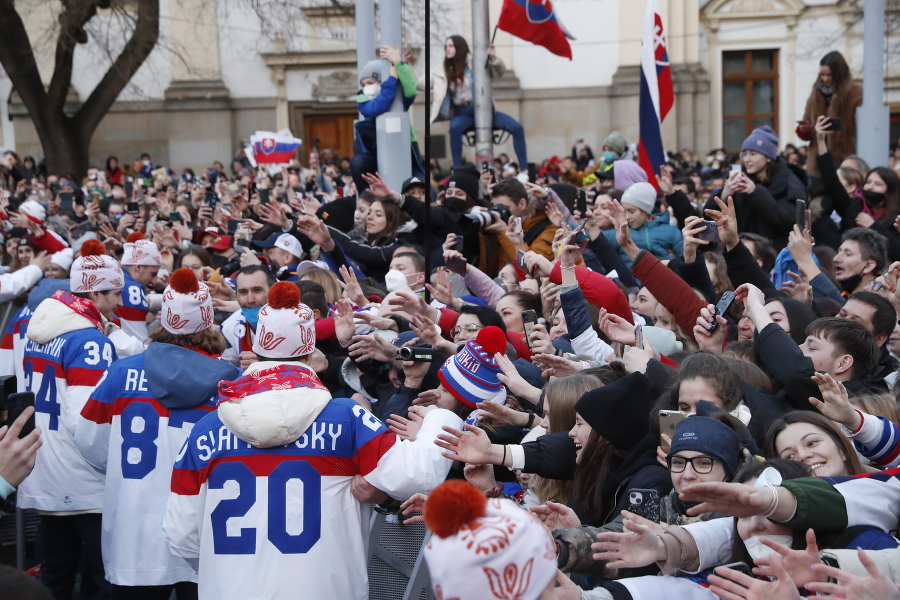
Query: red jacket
column 670, row 290
column 599, row 290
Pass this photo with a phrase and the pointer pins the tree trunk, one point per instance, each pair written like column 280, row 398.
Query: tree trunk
column 66, row 151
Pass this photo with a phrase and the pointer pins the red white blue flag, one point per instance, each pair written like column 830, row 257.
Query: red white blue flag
column 536, row 22
column 657, row 95
column 274, row 148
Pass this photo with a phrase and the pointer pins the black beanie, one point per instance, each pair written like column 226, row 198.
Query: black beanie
column 465, row 179
column 619, row 411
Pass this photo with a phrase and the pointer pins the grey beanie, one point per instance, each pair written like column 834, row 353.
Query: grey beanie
column 641, row 195
column 371, row 69
column 617, row 142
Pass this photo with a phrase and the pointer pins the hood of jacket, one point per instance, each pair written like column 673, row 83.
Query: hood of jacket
column 180, row 378
column 272, row 403
column 52, row 319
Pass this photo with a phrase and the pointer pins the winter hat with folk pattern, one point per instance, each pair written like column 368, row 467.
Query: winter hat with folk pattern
column 485, row 548
column 186, row 304
column 286, row 327
column 95, row 270
column 471, row 374
column 140, row 252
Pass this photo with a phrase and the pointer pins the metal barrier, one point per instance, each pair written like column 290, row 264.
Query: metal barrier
column 397, row 569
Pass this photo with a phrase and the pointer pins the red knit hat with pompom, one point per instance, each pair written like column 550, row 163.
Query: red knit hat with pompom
column 286, row 327
column 94, row 270
column 481, row 544
column 186, row 305
column 471, row 374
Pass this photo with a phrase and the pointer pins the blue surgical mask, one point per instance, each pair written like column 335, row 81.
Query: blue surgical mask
column 609, row 157
column 251, row 315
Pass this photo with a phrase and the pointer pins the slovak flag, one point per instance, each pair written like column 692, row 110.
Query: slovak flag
column 274, row 148
column 657, row 94
column 535, row 22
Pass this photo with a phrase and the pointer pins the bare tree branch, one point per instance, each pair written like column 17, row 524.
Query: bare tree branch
column 71, row 33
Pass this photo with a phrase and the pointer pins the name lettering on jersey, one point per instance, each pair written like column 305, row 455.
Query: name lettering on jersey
column 314, row 437
column 135, row 381
column 53, row 347
column 223, row 439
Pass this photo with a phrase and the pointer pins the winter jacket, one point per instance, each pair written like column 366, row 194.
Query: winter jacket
column 441, row 103
column 843, row 105
column 656, row 236
column 598, row 290
column 770, row 210
column 671, row 291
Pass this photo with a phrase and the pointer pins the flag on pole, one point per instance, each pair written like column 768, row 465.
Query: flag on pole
column 657, row 95
column 274, row 148
column 536, row 22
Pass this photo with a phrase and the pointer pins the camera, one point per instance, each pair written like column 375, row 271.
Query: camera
column 416, row 353
column 231, row 267
column 498, row 212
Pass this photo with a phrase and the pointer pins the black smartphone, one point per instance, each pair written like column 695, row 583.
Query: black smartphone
column 129, row 187
column 263, row 196
column 711, row 233
column 644, row 503
column 458, row 244
column 532, row 173
column 133, row 208
column 520, row 262
column 15, row 405
column 722, row 307
column 581, row 202
column 800, row 212
column 66, row 200
column 175, row 216
column 740, row 567
column 457, row 264
column 529, row 319
column 211, row 198
column 834, row 124
column 233, row 225
column 807, row 220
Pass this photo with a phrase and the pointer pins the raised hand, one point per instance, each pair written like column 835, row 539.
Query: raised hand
column 797, row 563
column 877, row 586
column 693, row 227
column 730, row 584
column 442, row 290
column 514, row 382
column 556, row 366
column 470, row 446
column 616, row 328
column 835, row 403
column 556, row 516
column 726, row 219
column 352, row 289
column 638, row 546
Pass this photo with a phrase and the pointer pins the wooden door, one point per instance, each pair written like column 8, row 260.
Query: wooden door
column 334, row 131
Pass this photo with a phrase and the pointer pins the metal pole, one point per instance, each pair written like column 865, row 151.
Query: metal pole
column 427, row 145
column 365, row 32
column 482, row 94
column 392, row 128
column 873, row 117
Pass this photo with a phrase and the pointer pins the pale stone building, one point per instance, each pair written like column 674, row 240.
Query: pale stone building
column 223, row 72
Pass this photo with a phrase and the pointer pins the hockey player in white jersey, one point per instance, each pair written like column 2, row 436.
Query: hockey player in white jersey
column 141, row 262
column 66, row 355
column 261, row 501
column 132, row 428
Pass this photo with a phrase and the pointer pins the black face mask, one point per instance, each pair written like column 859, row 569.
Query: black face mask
column 851, row 283
column 873, row 198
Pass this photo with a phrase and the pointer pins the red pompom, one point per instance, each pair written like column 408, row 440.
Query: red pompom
column 284, row 294
column 184, row 281
column 92, row 248
column 134, row 236
column 451, row 505
column 492, row 340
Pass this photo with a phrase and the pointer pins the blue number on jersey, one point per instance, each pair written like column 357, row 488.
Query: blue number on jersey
column 245, row 542
column 45, row 399
column 143, row 440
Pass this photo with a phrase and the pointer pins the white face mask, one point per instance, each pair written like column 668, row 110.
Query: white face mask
column 758, row 550
column 371, row 90
column 395, row 280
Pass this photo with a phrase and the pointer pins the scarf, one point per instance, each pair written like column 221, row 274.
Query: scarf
column 83, row 307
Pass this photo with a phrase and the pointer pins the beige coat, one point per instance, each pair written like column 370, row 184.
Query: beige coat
column 440, row 87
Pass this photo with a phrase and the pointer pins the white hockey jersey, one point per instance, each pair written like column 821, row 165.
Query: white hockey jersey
column 131, row 429
column 65, row 358
column 280, row 521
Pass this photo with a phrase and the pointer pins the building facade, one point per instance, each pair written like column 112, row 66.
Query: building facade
column 224, row 70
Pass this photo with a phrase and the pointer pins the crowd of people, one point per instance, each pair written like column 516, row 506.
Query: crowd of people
column 587, row 384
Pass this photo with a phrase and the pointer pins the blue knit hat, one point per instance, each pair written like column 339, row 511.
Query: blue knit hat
column 710, row 437
column 763, row 140
column 471, row 374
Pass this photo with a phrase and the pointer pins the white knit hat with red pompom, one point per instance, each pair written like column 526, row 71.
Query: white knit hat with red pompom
column 286, row 328
column 95, row 270
column 485, row 548
column 186, row 305
column 140, row 252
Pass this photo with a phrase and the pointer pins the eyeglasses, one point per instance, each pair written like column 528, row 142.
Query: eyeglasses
column 700, row 464
column 468, row 329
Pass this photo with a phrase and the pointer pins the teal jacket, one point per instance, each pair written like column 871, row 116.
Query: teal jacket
column 656, row 236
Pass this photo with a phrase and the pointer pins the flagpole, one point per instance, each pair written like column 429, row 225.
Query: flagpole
column 487, row 61
column 426, row 220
